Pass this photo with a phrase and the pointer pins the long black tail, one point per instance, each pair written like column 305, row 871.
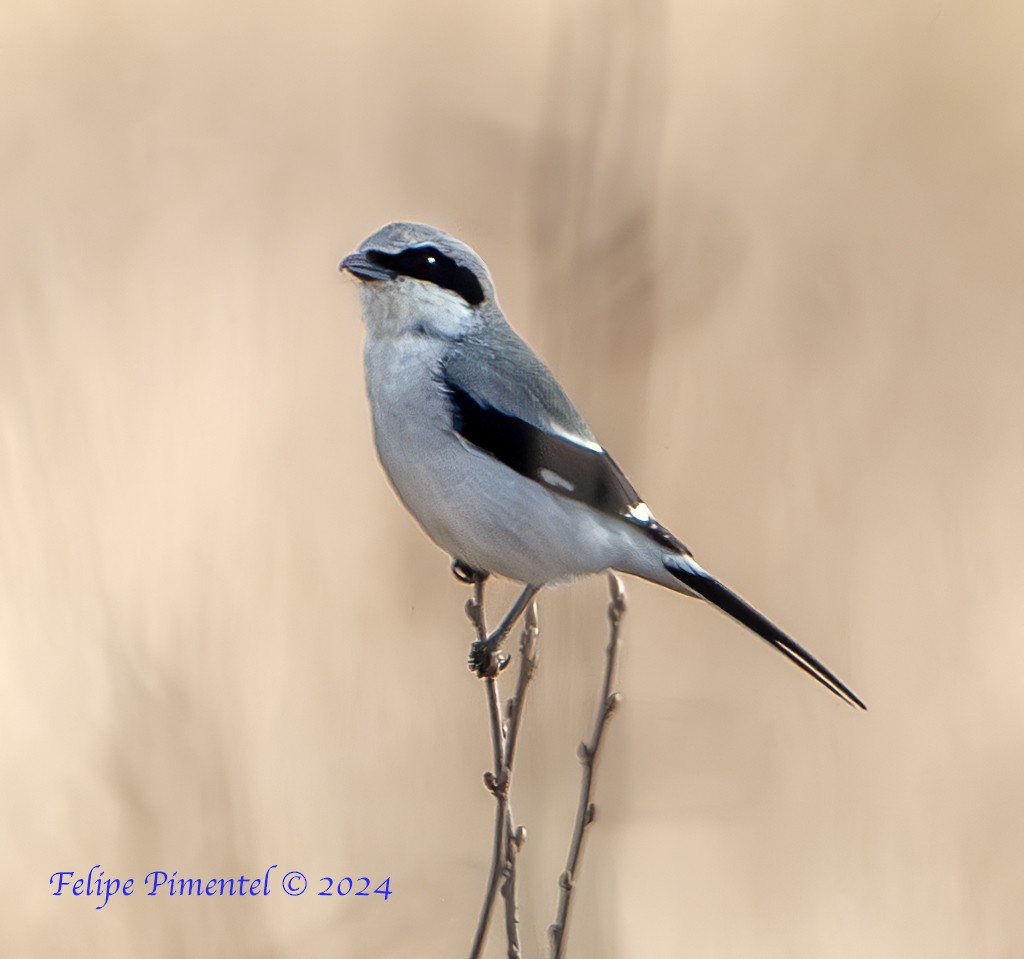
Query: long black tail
column 705, row 585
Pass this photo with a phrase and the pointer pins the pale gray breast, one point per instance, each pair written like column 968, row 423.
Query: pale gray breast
column 411, row 416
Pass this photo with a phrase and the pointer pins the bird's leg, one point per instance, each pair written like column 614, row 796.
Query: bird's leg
column 482, row 659
column 485, row 656
column 512, row 617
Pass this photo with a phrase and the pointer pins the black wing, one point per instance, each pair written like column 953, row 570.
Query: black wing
column 578, row 469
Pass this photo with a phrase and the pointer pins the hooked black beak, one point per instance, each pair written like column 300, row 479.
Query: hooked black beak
column 358, row 265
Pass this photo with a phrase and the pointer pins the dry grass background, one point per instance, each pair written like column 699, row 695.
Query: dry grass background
column 774, row 251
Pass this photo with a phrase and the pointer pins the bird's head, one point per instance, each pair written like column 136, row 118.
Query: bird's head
column 415, row 276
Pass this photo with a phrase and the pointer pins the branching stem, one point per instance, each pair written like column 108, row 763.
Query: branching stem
column 504, row 735
column 588, row 753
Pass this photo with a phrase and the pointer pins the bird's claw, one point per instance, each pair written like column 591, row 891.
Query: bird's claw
column 465, row 573
column 486, row 659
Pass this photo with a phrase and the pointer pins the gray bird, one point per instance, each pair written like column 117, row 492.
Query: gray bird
column 487, row 452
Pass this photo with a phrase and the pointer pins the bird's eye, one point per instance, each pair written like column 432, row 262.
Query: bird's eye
column 431, row 260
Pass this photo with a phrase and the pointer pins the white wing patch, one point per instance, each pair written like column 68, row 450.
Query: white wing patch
column 550, row 477
column 640, row 512
column 573, row 438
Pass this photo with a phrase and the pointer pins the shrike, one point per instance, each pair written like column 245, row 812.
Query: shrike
column 487, row 452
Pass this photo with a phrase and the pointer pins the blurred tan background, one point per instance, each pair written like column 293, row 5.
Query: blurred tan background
column 774, row 252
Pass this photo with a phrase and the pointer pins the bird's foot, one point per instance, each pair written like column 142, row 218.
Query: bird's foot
column 486, row 657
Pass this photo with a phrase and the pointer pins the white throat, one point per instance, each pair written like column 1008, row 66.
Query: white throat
column 404, row 305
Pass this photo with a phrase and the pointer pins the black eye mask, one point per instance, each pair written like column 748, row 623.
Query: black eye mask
column 430, row 264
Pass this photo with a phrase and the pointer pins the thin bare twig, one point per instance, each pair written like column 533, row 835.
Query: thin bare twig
column 504, row 734
column 527, row 667
column 475, row 612
column 588, row 753
column 515, row 836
